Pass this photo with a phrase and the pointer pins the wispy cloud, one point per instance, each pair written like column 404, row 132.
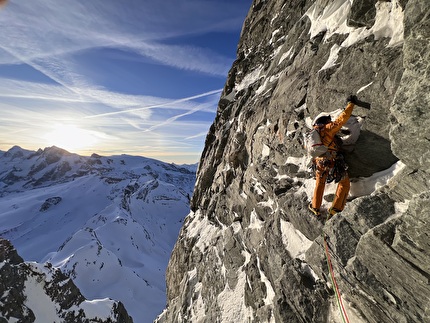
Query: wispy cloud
column 198, row 135
column 44, row 29
column 52, row 48
column 178, row 116
column 169, row 103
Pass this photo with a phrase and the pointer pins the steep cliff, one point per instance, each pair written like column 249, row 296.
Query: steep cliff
column 249, row 251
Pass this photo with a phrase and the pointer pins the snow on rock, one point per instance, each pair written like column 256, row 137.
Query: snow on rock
column 334, row 53
column 295, row 242
column 255, row 222
column 371, row 185
column 201, row 227
column 389, row 22
column 41, row 293
column 44, row 309
column 248, row 80
column 254, row 239
column 232, row 299
column 270, row 293
column 332, row 19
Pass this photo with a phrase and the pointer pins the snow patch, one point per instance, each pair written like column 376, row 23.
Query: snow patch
column 389, row 22
column 270, row 203
column 237, row 227
column 334, row 315
column 401, row 207
column 263, row 87
column 249, row 79
column 270, row 292
column 370, row 185
column 332, row 19
column 307, row 270
column 295, row 242
column 359, row 187
column 258, row 187
column 302, row 162
column 255, row 222
column 243, row 195
column 98, row 308
column 265, row 151
column 232, row 301
column 197, row 305
column 273, row 35
column 286, row 55
column 201, row 227
column 334, row 54
column 44, row 309
column 364, row 87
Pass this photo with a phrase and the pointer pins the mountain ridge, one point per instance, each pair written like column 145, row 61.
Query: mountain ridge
column 26, row 284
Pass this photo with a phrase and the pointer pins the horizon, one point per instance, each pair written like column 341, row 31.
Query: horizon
column 111, row 79
column 101, row 155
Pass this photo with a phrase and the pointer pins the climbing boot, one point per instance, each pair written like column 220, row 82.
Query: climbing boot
column 315, row 211
column 331, row 212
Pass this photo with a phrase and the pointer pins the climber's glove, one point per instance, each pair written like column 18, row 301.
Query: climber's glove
column 352, row 99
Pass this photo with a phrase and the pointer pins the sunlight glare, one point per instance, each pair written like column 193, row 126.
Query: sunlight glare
column 71, row 138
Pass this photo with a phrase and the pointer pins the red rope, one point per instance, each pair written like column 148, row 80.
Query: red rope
column 335, row 286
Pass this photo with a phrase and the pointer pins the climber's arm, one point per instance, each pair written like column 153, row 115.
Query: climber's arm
column 335, row 126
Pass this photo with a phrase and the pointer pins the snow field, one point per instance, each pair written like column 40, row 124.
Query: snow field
column 113, row 229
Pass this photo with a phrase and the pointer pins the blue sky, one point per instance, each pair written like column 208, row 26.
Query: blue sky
column 138, row 77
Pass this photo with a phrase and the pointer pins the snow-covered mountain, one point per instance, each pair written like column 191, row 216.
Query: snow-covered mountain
column 109, row 223
column 32, row 292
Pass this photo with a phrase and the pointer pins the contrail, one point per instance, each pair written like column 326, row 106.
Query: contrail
column 155, row 105
column 174, row 118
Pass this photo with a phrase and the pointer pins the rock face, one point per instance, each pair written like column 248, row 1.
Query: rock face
column 30, row 292
column 249, row 251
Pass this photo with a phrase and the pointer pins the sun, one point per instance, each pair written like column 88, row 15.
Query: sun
column 70, row 138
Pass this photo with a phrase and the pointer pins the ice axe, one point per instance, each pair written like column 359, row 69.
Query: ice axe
column 356, row 101
column 365, row 105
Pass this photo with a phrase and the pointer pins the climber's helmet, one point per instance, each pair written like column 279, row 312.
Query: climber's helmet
column 322, row 119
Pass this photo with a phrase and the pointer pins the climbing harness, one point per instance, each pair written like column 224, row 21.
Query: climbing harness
column 342, row 310
column 338, row 170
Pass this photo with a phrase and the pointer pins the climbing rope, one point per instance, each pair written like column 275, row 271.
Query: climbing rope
column 342, row 310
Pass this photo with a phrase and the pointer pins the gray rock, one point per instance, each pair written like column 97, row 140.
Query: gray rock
column 250, row 251
column 49, row 202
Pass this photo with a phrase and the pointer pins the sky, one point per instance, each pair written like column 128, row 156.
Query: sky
column 137, row 77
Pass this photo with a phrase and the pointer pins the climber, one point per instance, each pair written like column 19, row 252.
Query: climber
column 331, row 166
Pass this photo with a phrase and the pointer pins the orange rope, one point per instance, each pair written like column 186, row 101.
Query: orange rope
column 335, row 286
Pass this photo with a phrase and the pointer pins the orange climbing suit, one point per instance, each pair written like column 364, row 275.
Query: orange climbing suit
column 325, row 163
